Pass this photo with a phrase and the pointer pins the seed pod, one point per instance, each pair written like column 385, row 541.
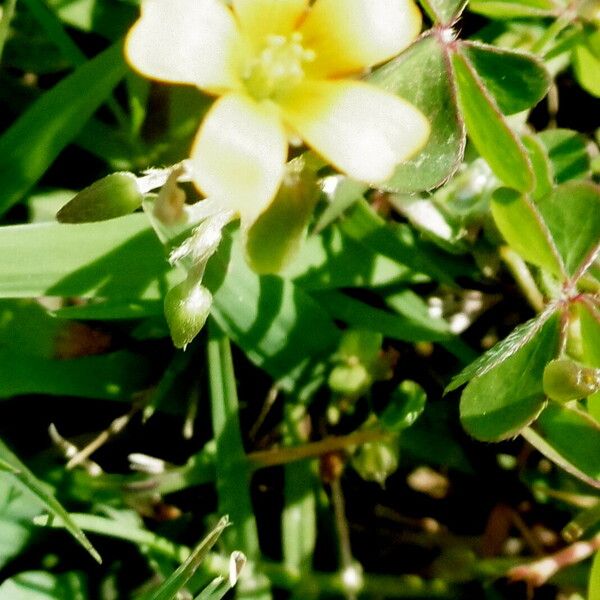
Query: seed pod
column 110, row 197
column 566, row 380
column 187, row 306
column 375, row 461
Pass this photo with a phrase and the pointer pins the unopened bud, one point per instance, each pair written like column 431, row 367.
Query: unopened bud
column 110, row 197
column 375, row 461
column 566, row 380
column 187, row 306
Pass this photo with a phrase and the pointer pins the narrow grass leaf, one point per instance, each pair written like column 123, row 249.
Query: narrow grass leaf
column 119, row 259
column 401, row 243
column 169, row 589
column 32, row 143
column 333, row 259
column 41, row 585
column 362, row 316
column 11, row 464
column 277, row 325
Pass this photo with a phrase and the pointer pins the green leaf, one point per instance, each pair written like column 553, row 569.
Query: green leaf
column 109, row 18
column 426, row 61
column 488, row 130
column 509, row 9
column 572, row 213
column 542, row 167
column 38, row 352
column 505, row 399
column 114, row 376
column 122, row 259
column 32, row 143
column 399, row 242
column 516, row 80
column 169, row 589
column 29, row 482
column 573, row 437
column 405, row 407
column 502, row 351
column 522, row 226
column 586, row 63
column 114, row 259
column 112, row 196
column 278, row 326
column 362, row 316
column 17, row 510
column 333, row 259
column 39, row 585
column 567, row 152
column 444, row 12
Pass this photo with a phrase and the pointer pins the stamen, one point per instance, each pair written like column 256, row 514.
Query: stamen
column 277, row 67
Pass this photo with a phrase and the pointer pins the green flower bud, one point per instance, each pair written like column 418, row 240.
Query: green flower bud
column 113, row 196
column 565, row 380
column 350, row 380
column 375, row 461
column 273, row 239
column 187, row 306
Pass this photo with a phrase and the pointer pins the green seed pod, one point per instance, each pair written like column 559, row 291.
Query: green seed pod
column 376, row 461
column 350, row 380
column 110, row 197
column 565, row 380
column 187, row 306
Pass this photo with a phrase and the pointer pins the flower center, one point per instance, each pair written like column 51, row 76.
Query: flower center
column 277, row 67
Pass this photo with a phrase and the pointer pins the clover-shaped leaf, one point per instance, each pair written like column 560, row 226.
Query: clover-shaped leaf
column 509, row 396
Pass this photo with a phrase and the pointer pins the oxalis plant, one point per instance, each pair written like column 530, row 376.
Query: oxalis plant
column 300, row 299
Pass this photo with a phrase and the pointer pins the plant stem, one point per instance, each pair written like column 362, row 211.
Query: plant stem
column 232, row 469
column 516, row 265
column 280, row 456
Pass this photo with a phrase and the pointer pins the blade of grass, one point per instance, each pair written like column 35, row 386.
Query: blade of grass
column 232, row 469
column 45, row 16
column 10, row 463
column 32, row 143
column 183, row 574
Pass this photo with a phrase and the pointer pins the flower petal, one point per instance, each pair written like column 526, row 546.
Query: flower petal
column 239, row 154
column 260, row 18
column 349, row 35
column 186, row 41
column 359, row 128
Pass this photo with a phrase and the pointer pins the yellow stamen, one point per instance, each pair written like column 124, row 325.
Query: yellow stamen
column 277, row 67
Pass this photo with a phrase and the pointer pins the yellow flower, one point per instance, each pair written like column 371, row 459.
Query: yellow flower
column 279, row 68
